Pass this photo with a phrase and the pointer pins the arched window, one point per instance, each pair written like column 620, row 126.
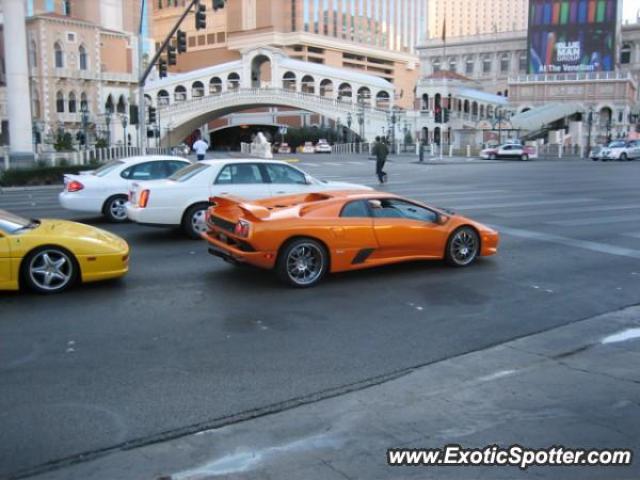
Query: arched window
column 60, row 102
column 469, row 66
column 453, row 64
column 486, row 64
column 35, row 102
column 215, row 85
column 289, row 81
column 522, row 62
column 59, row 55
column 466, row 106
column 489, row 111
column 474, row 109
column 364, row 96
column 108, row 106
column 345, row 91
column 436, row 65
column 505, row 63
column 180, row 94
column 625, row 53
column 82, row 56
column 326, row 88
column 33, row 54
column 122, row 105
column 308, row 84
column 163, row 97
column 382, row 100
column 84, row 105
column 481, row 111
column 72, row 103
column 425, row 102
column 197, row 90
column 233, row 81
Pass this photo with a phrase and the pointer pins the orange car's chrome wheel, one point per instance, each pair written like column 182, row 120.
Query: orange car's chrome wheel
column 302, row 263
column 463, row 247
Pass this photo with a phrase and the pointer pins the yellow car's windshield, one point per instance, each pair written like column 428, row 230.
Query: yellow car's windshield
column 10, row 223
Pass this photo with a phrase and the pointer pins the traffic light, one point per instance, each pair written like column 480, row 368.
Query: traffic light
column 152, row 115
column 445, row 115
column 182, row 41
column 438, row 114
column 171, row 55
column 217, row 4
column 162, row 68
column 201, row 16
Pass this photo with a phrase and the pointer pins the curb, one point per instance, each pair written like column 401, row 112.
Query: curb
column 30, row 188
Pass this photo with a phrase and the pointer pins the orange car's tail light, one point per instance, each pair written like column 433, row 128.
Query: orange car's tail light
column 144, row 199
column 74, row 186
column 241, row 229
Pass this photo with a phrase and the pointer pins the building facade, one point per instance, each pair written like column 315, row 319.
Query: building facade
column 476, row 17
column 377, row 37
column 82, row 57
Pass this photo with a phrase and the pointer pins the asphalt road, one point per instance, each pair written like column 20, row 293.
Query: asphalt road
column 186, row 342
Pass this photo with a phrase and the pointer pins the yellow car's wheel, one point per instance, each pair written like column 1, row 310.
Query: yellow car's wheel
column 49, row 270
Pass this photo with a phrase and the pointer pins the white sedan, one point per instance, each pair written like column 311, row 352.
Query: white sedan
column 323, row 146
column 105, row 190
column 183, row 199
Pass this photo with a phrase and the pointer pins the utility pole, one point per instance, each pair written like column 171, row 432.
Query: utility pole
column 142, row 110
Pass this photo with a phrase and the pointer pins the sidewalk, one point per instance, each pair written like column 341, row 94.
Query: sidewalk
column 576, row 386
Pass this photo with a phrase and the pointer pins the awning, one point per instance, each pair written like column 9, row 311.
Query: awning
column 536, row 118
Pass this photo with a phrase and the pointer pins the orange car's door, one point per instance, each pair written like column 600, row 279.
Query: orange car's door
column 404, row 229
column 355, row 240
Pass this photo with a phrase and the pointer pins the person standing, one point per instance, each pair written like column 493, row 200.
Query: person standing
column 421, row 151
column 200, row 147
column 381, row 152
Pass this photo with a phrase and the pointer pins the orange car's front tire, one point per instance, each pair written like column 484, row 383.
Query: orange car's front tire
column 302, row 262
column 463, row 247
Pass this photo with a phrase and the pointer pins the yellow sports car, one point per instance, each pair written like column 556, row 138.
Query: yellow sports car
column 48, row 256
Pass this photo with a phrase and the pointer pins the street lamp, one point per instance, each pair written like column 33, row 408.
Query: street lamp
column 590, row 124
column 107, row 119
column 125, row 121
column 394, row 119
column 84, row 116
column 349, row 121
column 339, row 130
column 361, row 122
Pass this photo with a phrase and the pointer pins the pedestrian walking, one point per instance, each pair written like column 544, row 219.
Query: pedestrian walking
column 421, row 151
column 200, row 147
column 381, row 153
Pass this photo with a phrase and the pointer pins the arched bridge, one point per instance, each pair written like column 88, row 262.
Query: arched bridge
column 267, row 77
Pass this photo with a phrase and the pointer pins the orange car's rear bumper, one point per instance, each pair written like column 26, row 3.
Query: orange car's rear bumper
column 228, row 252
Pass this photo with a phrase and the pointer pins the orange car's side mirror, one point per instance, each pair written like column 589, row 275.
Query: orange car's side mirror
column 442, row 219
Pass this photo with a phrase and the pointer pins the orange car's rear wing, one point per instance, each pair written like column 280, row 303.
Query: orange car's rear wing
column 258, row 212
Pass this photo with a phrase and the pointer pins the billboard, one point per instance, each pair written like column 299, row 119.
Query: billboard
column 572, row 36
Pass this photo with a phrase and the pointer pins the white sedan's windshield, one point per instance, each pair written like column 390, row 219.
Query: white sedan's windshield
column 186, row 173
column 107, row 167
column 617, row 145
column 10, row 223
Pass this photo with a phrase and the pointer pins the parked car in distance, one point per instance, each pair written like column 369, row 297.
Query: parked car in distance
column 284, row 148
column 595, row 152
column 322, row 146
column 183, row 199
column 106, row 190
column 303, row 237
column 507, row 150
column 183, row 150
column 307, row 148
column 49, row 256
column 621, row 150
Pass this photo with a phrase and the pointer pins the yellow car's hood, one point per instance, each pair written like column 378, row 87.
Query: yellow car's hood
column 77, row 237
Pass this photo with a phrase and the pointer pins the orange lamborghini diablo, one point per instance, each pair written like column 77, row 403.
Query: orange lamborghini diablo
column 305, row 236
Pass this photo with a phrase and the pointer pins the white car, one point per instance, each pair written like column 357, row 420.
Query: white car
column 105, row 190
column 307, row 148
column 620, row 150
column 183, row 199
column 323, row 146
column 507, row 150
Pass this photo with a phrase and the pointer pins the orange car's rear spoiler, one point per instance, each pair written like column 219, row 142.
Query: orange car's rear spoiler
column 256, row 211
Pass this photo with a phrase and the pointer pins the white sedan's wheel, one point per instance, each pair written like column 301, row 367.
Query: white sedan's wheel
column 115, row 209
column 194, row 222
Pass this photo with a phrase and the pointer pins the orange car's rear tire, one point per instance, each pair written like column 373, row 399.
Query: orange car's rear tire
column 302, row 262
column 463, row 247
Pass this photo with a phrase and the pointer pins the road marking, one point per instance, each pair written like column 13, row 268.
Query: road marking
column 309, row 164
column 595, row 221
column 520, row 204
column 562, row 211
column 569, row 242
column 634, row 235
column 334, row 164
